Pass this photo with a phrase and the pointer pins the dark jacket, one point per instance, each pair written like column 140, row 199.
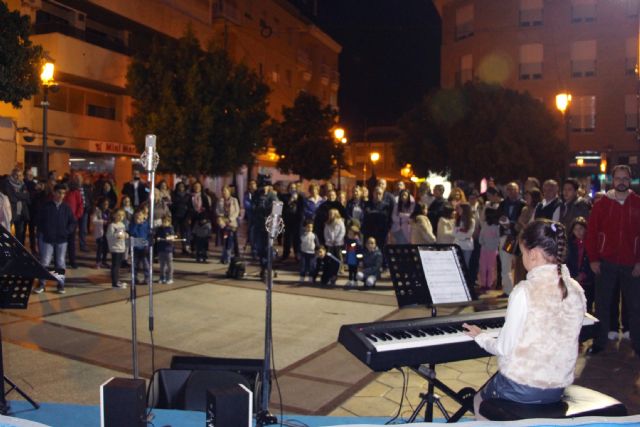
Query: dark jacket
column 377, row 220
column 141, row 232
column 578, row 262
column 16, row 197
column 572, row 210
column 435, row 212
column 55, row 223
column 372, row 263
column 143, row 192
column 180, row 202
column 163, row 245
column 512, row 210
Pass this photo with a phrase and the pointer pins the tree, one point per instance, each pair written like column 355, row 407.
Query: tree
column 482, row 130
column 19, row 58
column 304, row 139
column 209, row 114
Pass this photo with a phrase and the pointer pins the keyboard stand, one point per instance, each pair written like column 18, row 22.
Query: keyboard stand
column 464, row 397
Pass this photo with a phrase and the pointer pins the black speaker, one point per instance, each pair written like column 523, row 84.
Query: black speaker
column 229, row 406
column 184, row 386
column 122, row 403
column 251, row 369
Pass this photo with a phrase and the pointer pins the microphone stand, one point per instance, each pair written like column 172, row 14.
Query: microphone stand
column 274, row 226
column 149, row 159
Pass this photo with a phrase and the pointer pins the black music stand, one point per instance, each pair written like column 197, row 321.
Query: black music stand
column 409, row 277
column 18, row 270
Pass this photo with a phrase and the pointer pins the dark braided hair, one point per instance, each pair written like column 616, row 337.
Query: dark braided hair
column 549, row 236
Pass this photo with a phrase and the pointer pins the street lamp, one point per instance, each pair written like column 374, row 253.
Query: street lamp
column 46, row 77
column 338, row 135
column 563, row 103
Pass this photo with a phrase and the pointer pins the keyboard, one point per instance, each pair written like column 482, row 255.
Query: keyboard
column 386, row 345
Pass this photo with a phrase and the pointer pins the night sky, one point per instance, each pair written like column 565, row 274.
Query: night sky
column 390, row 57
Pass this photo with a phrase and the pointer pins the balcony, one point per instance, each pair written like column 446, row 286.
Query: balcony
column 93, row 37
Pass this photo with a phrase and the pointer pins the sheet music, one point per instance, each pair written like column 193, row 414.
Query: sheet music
column 443, row 272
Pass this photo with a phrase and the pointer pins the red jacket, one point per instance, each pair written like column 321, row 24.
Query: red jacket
column 74, row 199
column 613, row 232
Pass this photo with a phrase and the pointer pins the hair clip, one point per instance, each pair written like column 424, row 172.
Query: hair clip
column 553, row 227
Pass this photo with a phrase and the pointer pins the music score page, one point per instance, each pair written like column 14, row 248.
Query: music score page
column 445, row 279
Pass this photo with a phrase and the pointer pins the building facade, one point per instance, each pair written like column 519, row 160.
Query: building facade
column 587, row 48
column 91, row 43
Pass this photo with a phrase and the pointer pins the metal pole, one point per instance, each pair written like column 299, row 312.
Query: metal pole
column 150, row 160
column 45, row 155
column 134, row 322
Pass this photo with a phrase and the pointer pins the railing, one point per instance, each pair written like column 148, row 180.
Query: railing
column 104, row 41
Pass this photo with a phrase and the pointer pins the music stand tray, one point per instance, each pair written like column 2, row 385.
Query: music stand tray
column 18, row 270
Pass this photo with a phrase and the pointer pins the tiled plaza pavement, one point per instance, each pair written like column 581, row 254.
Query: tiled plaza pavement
column 64, row 346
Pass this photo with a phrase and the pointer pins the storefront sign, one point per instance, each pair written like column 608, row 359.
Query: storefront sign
column 112, row 147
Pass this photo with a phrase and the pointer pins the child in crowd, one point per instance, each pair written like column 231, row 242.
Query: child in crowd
column 201, row 235
column 334, row 231
column 308, row 244
column 164, row 246
column 489, row 239
column 537, row 347
column 99, row 222
column 371, row 264
column 127, row 207
column 465, row 225
column 116, row 236
column 327, row 266
column 352, row 253
column 578, row 261
column 446, row 225
column 139, row 230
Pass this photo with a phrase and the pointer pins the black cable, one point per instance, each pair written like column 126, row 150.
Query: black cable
column 404, row 385
column 275, row 378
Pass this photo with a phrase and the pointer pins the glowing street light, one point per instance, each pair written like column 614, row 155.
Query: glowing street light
column 46, row 77
column 338, row 135
column 563, row 100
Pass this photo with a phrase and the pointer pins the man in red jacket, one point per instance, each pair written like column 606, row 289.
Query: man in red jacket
column 73, row 198
column 613, row 246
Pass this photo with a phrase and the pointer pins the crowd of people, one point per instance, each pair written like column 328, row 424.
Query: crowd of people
column 328, row 231
column 567, row 252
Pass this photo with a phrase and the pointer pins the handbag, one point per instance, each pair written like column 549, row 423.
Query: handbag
column 511, row 245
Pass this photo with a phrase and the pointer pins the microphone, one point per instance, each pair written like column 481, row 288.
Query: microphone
column 150, row 154
column 274, row 223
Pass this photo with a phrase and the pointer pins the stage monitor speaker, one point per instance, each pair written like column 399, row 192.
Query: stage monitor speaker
column 229, row 406
column 122, row 403
column 251, row 369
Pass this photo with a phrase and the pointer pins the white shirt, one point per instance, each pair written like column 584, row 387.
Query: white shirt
column 512, row 329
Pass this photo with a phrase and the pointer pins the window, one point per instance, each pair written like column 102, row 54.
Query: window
column 531, row 61
column 583, row 11
column 465, row 73
column 631, row 53
column 75, row 100
column 99, row 105
column 631, row 112
column 531, row 13
column 583, row 58
column 464, row 22
column 583, row 113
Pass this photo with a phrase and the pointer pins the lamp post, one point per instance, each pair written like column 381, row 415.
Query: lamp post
column 563, row 102
column 338, row 135
column 46, row 77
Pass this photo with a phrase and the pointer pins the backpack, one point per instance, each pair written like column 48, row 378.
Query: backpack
column 236, row 269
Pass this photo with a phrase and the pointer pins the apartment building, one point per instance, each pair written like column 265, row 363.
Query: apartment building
column 587, row 48
column 91, row 43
